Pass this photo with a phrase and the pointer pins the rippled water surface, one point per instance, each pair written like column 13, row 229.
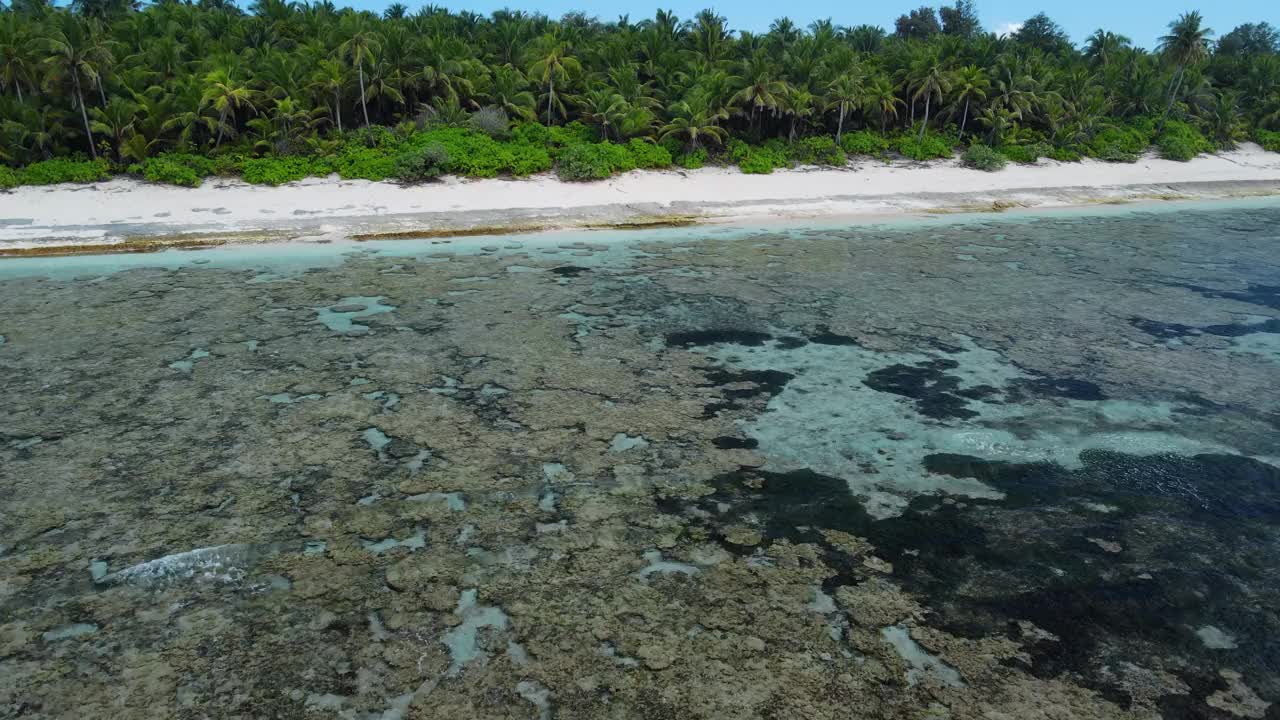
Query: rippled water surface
column 995, row 467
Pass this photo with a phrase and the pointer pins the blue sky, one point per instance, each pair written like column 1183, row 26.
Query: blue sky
column 1142, row 20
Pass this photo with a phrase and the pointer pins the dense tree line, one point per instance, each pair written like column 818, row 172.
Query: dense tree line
column 110, row 79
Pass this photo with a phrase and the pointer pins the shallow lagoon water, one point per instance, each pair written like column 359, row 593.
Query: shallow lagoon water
column 976, row 467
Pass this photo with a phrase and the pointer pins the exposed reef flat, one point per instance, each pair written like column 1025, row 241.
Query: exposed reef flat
column 979, row 468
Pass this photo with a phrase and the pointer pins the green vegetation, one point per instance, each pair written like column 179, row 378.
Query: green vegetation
column 177, row 91
column 1180, row 141
column 981, row 157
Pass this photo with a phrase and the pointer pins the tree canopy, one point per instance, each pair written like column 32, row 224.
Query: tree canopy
column 127, row 83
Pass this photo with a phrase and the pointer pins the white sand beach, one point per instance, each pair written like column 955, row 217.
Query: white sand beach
column 320, row 209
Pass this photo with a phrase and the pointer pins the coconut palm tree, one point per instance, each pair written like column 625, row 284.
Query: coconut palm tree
column 360, row 49
column 882, row 100
column 329, row 80
column 694, row 121
column 1187, row 44
column 226, row 96
column 553, row 61
column 930, row 81
column 968, row 84
column 75, row 51
column 843, row 94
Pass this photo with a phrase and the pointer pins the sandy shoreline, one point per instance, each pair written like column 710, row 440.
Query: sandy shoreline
column 127, row 211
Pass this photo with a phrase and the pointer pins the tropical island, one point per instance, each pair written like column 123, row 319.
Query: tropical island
column 179, row 91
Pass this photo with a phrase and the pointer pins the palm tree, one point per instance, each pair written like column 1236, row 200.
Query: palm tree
column 17, row 59
column 226, row 96
column 883, row 100
column 845, row 93
column 116, row 121
column 1103, row 47
column 930, row 81
column 1186, row 44
column 75, row 50
column 330, row 80
column 361, row 47
column 968, row 83
column 554, row 62
column 763, row 90
column 694, row 120
column 604, row 107
column 509, row 90
column 797, row 104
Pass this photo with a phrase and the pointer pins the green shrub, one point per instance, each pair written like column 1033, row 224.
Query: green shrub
column 279, row 170
column 424, row 163
column 648, row 155
column 756, row 160
column 817, row 150
column 981, row 157
column 65, row 170
column 1268, row 139
column 863, row 143
column 1064, row 154
column 365, row 163
column 594, row 161
column 175, row 169
column 1028, row 154
column 228, row 165
column 1120, row 143
column 8, row 178
column 1182, row 142
column 931, row 147
column 491, row 121
column 528, row 159
column 757, row 163
column 692, row 160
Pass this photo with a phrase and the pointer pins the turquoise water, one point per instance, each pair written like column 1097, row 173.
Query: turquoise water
column 978, row 466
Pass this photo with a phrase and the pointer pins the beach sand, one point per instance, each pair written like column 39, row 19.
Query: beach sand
column 124, row 211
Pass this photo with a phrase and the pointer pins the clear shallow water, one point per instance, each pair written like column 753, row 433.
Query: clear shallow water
column 984, row 467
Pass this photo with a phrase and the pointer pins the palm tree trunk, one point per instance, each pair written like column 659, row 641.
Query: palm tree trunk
column 222, row 126
column 18, row 85
column 1173, row 94
column 102, row 93
column 965, row 119
column 551, row 95
column 337, row 109
column 927, row 99
column 363, row 105
column 75, row 75
column 840, row 125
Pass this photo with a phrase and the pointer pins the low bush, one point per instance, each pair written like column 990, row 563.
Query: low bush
column 1027, row 154
column 1182, row 142
column 981, row 157
column 491, row 121
column 65, row 170
column 423, row 163
column 365, row 163
column 1268, row 139
column 175, row 169
column 1119, row 144
column 8, row 178
column 756, row 159
column 279, row 170
column 1064, row 154
column 648, row 155
column 593, row 161
column 692, row 160
column 817, row 150
column 930, row 147
column 863, row 142
column 528, row 159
